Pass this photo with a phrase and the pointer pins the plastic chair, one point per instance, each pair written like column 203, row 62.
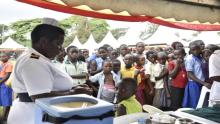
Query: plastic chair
column 151, row 109
column 202, row 97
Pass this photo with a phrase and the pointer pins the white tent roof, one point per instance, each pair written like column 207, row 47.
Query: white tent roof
column 76, row 43
column 109, row 39
column 11, row 44
column 91, row 44
column 209, row 37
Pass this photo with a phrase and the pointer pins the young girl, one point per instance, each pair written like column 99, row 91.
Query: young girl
column 161, row 85
column 143, row 88
column 149, row 70
column 195, row 75
column 107, row 82
column 178, row 74
column 127, row 104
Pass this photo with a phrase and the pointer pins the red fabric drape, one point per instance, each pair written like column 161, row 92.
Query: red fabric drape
column 94, row 14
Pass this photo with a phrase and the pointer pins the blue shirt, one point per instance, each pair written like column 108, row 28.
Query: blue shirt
column 194, row 64
column 99, row 62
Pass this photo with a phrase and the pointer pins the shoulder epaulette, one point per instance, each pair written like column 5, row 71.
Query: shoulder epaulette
column 34, row 56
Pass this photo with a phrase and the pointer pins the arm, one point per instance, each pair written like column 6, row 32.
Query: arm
column 173, row 71
column 162, row 74
column 79, row 76
column 121, row 110
column 6, row 77
column 194, row 78
column 215, row 78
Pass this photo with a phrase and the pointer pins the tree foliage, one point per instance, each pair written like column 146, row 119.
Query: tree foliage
column 3, row 30
column 22, row 28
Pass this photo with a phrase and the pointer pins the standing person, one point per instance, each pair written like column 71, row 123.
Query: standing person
column 140, row 47
column 206, row 53
column 214, row 74
column 5, row 91
column 103, row 55
column 75, row 68
column 195, row 75
column 149, row 70
column 114, row 54
column 117, row 67
column 92, row 67
column 127, row 104
column 85, row 53
column 161, row 85
column 143, row 88
column 178, row 74
column 35, row 75
column 107, row 82
column 128, row 70
column 123, row 51
column 177, row 45
column 58, row 61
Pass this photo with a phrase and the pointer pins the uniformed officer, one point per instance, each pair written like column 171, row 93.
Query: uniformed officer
column 35, row 76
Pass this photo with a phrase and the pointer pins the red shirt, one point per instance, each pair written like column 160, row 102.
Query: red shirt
column 181, row 78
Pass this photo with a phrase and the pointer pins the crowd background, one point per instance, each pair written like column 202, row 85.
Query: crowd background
column 166, row 77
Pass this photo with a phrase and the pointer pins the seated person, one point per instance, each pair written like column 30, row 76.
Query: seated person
column 127, row 104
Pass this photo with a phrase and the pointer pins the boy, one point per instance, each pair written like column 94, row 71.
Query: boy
column 178, row 74
column 195, row 75
column 123, row 51
column 75, row 68
column 128, row 70
column 127, row 104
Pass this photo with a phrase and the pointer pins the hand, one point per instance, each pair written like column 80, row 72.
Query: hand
column 142, row 70
column 179, row 61
column 136, row 72
column 151, row 92
column 208, row 85
column 81, row 90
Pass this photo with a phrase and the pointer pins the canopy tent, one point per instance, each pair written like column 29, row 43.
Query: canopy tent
column 76, row 43
column 209, row 37
column 183, row 14
column 109, row 39
column 133, row 34
column 10, row 44
column 90, row 44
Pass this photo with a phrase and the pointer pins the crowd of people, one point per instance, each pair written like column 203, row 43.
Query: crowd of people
column 167, row 78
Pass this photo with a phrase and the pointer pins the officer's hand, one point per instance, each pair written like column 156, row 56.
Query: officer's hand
column 81, row 90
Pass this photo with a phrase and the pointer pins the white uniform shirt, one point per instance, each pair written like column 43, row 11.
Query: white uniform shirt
column 214, row 70
column 34, row 74
column 79, row 68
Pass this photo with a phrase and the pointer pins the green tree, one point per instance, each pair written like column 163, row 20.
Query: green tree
column 22, row 28
column 3, row 29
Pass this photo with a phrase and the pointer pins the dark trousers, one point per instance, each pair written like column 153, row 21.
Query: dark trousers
column 177, row 95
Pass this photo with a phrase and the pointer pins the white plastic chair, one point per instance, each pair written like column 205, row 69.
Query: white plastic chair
column 151, row 109
column 203, row 93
